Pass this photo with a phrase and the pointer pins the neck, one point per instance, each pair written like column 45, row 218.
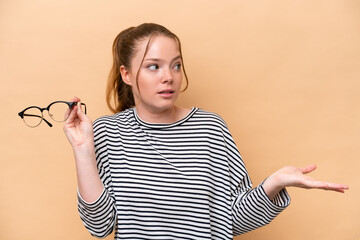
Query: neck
column 170, row 115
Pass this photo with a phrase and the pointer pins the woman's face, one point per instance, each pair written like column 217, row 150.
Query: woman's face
column 160, row 74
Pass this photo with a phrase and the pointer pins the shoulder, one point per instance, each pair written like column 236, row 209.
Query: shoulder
column 105, row 121
column 209, row 117
column 113, row 121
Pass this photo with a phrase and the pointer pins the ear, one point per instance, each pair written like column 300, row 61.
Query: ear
column 125, row 75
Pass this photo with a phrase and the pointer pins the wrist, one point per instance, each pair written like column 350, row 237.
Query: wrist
column 84, row 152
column 276, row 181
column 84, row 146
column 272, row 186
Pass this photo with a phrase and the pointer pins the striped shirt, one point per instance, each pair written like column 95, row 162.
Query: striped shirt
column 184, row 180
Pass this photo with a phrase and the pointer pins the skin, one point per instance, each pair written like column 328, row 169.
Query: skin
column 79, row 131
column 161, row 70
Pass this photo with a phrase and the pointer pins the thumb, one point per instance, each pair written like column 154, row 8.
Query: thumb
column 308, row 169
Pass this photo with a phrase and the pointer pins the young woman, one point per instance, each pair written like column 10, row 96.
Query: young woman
column 155, row 170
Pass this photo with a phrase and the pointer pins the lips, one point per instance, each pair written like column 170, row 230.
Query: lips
column 166, row 91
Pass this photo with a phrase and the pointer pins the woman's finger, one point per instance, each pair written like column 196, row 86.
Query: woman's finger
column 308, row 169
column 70, row 113
column 75, row 99
column 326, row 185
column 73, row 114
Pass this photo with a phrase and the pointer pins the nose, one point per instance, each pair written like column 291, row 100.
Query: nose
column 167, row 76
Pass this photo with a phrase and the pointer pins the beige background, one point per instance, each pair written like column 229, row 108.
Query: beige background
column 285, row 75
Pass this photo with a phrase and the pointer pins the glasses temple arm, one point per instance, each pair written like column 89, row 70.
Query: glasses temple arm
column 74, row 103
column 50, row 125
column 85, row 106
column 31, row 115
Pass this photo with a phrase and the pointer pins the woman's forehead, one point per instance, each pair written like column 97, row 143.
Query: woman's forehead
column 158, row 43
column 157, row 47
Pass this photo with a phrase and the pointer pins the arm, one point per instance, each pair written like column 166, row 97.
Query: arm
column 95, row 204
column 257, row 207
column 79, row 131
column 252, row 208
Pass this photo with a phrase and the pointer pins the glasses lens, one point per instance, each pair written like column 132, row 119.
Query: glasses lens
column 32, row 117
column 59, row 111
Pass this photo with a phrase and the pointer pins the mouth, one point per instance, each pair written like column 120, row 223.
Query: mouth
column 166, row 92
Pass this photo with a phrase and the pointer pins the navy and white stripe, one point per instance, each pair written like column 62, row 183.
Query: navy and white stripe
column 184, row 180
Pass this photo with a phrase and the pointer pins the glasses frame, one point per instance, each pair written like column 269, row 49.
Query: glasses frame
column 22, row 113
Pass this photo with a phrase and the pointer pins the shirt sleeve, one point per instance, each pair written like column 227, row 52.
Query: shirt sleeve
column 251, row 207
column 99, row 216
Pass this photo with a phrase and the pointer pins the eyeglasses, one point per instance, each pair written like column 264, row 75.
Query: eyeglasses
column 59, row 111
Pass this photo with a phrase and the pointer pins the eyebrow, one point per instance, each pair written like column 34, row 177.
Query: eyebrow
column 159, row 60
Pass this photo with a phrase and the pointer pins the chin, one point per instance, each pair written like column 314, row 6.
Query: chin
column 164, row 107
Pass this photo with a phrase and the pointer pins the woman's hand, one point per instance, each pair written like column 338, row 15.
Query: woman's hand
column 78, row 127
column 295, row 177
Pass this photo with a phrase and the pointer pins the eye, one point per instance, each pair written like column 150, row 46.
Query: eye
column 177, row 66
column 153, row 67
